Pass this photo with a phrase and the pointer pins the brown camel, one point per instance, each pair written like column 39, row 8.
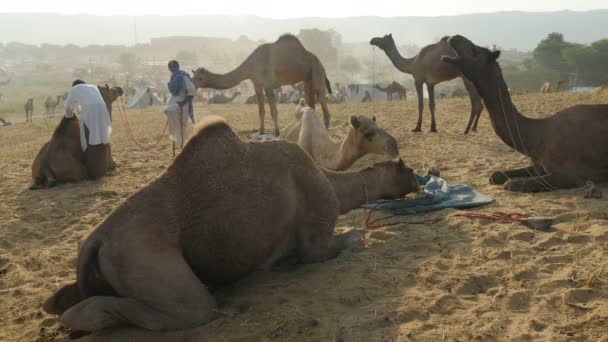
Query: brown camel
column 427, row 68
column 270, row 66
column 393, row 88
column 222, row 99
column 200, row 225
column 29, row 110
column 109, row 95
column 363, row 137
column 566, row 149
column 49, row 105
column 545, row 88
column 62, row 159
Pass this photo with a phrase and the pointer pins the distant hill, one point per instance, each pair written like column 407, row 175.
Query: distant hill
column 519, row 30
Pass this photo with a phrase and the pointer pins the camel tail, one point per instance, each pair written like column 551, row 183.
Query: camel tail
column 328, row 84
column 89, row 279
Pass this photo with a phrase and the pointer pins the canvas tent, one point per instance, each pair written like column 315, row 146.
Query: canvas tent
column 143, row 98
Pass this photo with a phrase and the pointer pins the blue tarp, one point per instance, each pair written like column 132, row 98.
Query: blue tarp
column 438, row 194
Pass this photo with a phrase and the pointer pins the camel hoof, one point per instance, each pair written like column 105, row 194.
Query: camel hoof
column 417, row 130
column 433, row 130
column 277, row 133
column 498, row 178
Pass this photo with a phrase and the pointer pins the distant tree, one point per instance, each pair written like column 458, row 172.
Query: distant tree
column 350, row 65
column 187, row 58
column 548, row 53
column 128, row 61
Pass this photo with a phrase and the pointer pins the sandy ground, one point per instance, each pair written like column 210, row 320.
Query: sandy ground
column 458, row 279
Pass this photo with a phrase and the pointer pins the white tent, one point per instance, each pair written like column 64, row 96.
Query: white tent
column 143, row 98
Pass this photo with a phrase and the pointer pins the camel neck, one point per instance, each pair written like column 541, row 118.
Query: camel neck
column 229, row 79
column 355, row 189
column 346, row 154
column 401, row 63
column 516, row 130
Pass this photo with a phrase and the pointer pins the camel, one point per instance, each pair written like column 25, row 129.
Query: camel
column 201, row 225
column 559, row 85
column 49, row 106
column 110, row 95
column 62, row 159
column 393, row 88
column 222, row 99
column 367, row 97
column 29, row 110
column 427, row 68
column 363, row 137
column 566, row 149
column 270, row 66
column 545, row 88
column 5, row 122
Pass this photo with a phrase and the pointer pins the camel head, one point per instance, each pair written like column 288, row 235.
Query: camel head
column 300, row 109
column 383, row 42
column 473, row 61
column 367, row 137
column 200, row 77
column 398, row 180
column 110, row 94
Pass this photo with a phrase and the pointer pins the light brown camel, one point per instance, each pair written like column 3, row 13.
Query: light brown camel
column 363, row 137
column 427, row 68
column 393, row 88
column 49, row 106
column 29, row 110
column 62, row 159
column 270, row 66
column 200, row 225
column 545, row 88
column 109, row 95
column 222, row 99
column 566, row 149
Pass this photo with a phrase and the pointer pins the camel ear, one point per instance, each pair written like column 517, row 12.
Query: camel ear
column 354, row 121
column 451, row 60
column 494, row 55
column 374, row 118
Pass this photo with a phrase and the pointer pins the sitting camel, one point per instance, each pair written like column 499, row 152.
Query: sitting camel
column 62, row 159
column 566, row 149
column 270, row 66
column 363, row 137
column 201, row 225
column 222, row 99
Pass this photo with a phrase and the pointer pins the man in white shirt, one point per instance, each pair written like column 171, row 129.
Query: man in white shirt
column 95, row 126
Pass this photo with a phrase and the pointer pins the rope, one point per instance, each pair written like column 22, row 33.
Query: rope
column 130, row 134
column 497, row 216
column 370, row 224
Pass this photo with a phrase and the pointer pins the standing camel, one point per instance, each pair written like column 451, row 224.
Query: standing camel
column 29, row 110
column 566, row 149
column 49, row 106
column 223, row 99
column 284, row 62
column 428, row 68
column 393, row 88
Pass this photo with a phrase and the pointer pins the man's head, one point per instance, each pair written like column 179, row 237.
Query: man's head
column 77, row 82
column 173, row 65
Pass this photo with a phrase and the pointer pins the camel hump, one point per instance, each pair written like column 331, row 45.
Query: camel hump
column 209, row 123
column 444, row 39
column 288, row 37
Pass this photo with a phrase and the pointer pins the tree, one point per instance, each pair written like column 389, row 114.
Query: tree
column 128, row 61
column 187, row 58
column 351, row 65
column 548, row 53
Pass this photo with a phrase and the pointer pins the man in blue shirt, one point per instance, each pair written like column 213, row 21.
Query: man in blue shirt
column 177, row 85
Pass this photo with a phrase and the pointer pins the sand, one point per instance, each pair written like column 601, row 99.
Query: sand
column 458, row 279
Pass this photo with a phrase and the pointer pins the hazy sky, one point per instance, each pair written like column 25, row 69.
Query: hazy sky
column 290, row 8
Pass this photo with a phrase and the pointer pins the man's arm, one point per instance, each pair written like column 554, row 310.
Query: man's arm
column 69, row 104
column 175, row 84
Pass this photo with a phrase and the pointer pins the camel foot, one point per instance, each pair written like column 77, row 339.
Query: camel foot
column 277, row 132
column 433, row 130
column 417, row 130
column 352, row 240
column 498, row 178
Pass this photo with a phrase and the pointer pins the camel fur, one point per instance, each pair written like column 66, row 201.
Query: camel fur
column 200, row 225
column 566, row 149
column 363, row 137
column 271, row 65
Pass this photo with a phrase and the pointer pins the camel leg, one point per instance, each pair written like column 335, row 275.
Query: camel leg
column 309, row 94
column 259, row 94
column 323, row 247
column 476, row 105
column 419, row 92
column 544, row 183
column 169, row 295
column 431, row 89
column 501, row 177
column 326, row 115
column 272, row 103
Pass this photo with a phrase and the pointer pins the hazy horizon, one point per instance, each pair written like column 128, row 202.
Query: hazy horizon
column 276, row 9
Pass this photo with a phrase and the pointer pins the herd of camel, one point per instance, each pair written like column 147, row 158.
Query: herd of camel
column 155, row 261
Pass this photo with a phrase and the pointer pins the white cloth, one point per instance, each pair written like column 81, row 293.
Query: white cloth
column 93, row 113
column 178, row 115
